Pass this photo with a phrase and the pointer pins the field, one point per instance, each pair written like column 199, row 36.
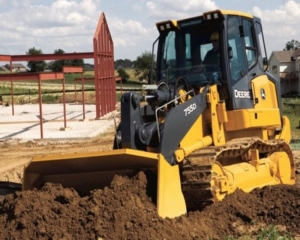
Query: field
column 27, row 92
column 291, row 107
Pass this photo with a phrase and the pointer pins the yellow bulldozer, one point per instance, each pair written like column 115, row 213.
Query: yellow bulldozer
column 209, row 122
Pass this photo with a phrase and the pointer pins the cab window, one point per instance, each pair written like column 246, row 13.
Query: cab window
column 251, row 51
column 237, row 61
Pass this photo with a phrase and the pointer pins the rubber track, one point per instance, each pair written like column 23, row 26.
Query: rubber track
column 197, row 168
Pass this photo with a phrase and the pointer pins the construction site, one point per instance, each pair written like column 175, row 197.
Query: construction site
column 181, row 161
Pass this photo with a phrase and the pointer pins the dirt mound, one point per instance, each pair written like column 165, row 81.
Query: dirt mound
column 125, row 211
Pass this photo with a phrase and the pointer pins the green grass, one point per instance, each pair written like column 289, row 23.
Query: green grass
column 130, row 72
column 6, row 90
column 291, row 108
column 272, row 233
column 269, row 233
column 70, row 77
column 49, row 98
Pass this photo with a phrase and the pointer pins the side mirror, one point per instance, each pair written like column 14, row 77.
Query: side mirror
column 265, row 61
column 230, row 53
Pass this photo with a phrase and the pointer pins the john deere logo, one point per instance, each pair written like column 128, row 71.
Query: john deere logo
column 262, row 94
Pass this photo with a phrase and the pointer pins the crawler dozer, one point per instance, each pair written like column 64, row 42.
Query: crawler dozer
column 202, row 130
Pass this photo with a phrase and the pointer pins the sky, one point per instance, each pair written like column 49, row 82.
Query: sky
column 70, row 24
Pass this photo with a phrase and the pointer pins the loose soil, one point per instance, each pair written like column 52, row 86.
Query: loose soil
column 123, row 210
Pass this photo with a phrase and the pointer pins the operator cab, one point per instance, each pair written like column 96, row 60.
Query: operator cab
column 183, row 46
column 182, row 52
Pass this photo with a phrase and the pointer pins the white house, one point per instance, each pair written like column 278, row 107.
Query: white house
column 16, row 67
column 285, row 66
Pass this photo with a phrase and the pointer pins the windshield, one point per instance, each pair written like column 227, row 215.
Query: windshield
column 192, row 52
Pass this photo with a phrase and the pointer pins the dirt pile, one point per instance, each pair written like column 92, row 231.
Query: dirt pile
column 125, row 211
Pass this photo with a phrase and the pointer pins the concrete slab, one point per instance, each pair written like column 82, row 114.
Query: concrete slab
column 25, row 123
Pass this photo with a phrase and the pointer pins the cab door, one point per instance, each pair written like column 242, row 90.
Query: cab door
column 242, row 60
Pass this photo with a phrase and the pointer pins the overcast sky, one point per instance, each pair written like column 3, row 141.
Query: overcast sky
column 70, row 24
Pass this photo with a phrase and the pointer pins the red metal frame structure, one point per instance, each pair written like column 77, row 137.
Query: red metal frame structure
column 105, row 85
column 103, row 54
column 39, row 77
column 13, row 58
column 42, row 77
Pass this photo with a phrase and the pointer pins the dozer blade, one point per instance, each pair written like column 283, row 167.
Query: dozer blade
column 87, row 171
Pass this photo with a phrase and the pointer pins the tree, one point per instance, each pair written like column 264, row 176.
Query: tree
column 120, row 63
column 75, row 62
column 35, row 66
column 57, row 65
column 142, row 66
column 292, row 45
column 123, row 74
